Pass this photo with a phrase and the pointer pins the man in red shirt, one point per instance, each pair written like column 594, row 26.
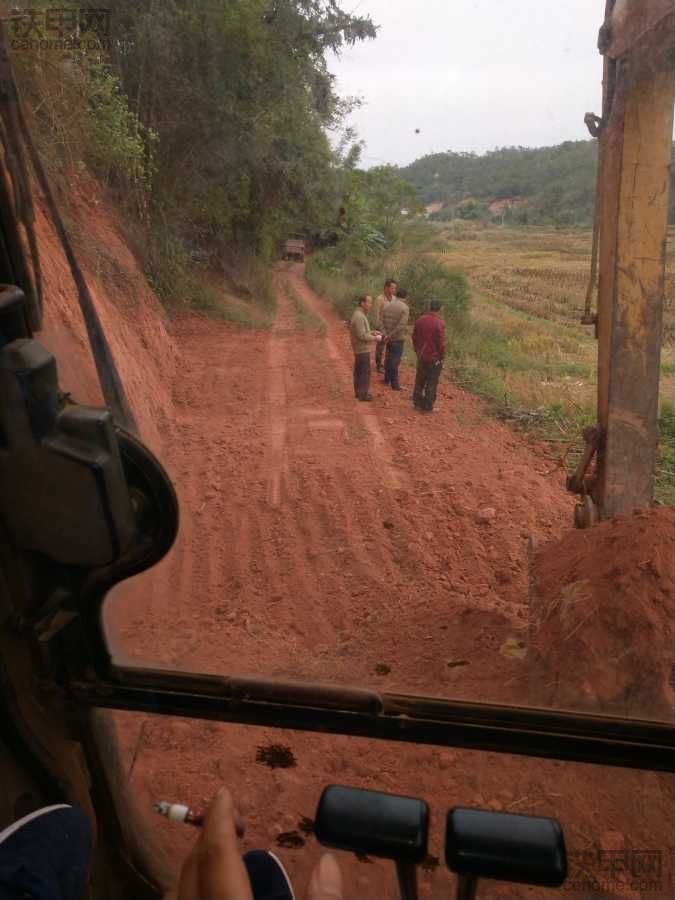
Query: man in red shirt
column 430, row 346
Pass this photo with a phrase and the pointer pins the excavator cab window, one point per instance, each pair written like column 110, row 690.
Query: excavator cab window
column 414, row 653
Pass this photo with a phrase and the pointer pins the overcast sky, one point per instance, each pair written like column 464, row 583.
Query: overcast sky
column 472, row 75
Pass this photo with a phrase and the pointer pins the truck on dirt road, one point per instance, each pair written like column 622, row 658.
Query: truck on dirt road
column 294, row 247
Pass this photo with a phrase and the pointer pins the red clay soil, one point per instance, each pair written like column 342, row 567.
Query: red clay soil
column 602, row 618
column 322, row 537
column 326, row 539
column 134, row 320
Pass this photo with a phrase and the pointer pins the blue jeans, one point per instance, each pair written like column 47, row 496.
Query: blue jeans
column 46, row 855
column 392, row 361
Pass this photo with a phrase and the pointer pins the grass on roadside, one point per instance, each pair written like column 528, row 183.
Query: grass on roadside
column 307, row 319
column 330, row 280
column 665, row 469
column 239, row 291
column 208, row 295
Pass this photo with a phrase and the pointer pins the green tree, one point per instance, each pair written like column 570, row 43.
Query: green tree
column 377, row 202
column 241, row 98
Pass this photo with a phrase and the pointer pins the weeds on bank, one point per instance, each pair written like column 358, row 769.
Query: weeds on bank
column 240, row 292
column 665, row 470
column 329, row 280
column 307, row 320
column 425, row 279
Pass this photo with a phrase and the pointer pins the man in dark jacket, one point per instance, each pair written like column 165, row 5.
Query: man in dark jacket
column 430, row 346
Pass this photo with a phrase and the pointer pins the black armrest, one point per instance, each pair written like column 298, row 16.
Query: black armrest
column 372, row 823
column 506, row 847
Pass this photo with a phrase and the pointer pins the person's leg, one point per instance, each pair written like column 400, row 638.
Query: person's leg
column 356, row 374
column 365, row 378
column 269, row 879
column 396, row 356
column 425, row 384
column 431, row 388
column 420, row 378
column 47, row 854
column 379, row 352
column 363, row 375
column 387, row 364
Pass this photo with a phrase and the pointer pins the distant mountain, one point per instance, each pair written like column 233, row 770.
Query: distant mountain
column 547, row 185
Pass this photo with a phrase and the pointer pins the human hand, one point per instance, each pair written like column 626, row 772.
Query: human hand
column 214, row 870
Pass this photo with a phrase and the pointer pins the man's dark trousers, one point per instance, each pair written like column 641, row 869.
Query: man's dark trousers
column 426, row 384
column 361, row 375
column 392, row 361
column 379, row 354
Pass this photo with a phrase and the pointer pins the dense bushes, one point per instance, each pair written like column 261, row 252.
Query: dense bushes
column 376, row 204
column 115, row 142
column 425, row 280
column 80, row 115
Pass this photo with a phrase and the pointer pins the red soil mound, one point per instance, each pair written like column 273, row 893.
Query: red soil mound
column 601, row 618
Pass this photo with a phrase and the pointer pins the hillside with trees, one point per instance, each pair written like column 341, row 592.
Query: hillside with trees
column 207, row 121
column 550, row 185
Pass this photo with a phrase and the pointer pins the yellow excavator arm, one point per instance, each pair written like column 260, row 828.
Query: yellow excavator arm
column 635, row 134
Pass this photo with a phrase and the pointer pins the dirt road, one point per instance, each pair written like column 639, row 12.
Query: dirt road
column 322, row 537
column 345, row 542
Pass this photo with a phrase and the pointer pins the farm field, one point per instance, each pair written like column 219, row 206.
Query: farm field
column 527, row 349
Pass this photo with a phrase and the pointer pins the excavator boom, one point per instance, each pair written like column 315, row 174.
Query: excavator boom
column 635, row 134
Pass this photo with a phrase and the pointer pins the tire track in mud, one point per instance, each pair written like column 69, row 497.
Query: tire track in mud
column 214, row 517
column 284, row 326
column 190, row 575
column 226, row 541
column 303, row 488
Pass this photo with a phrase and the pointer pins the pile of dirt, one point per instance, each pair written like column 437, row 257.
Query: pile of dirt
column 601, row 618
